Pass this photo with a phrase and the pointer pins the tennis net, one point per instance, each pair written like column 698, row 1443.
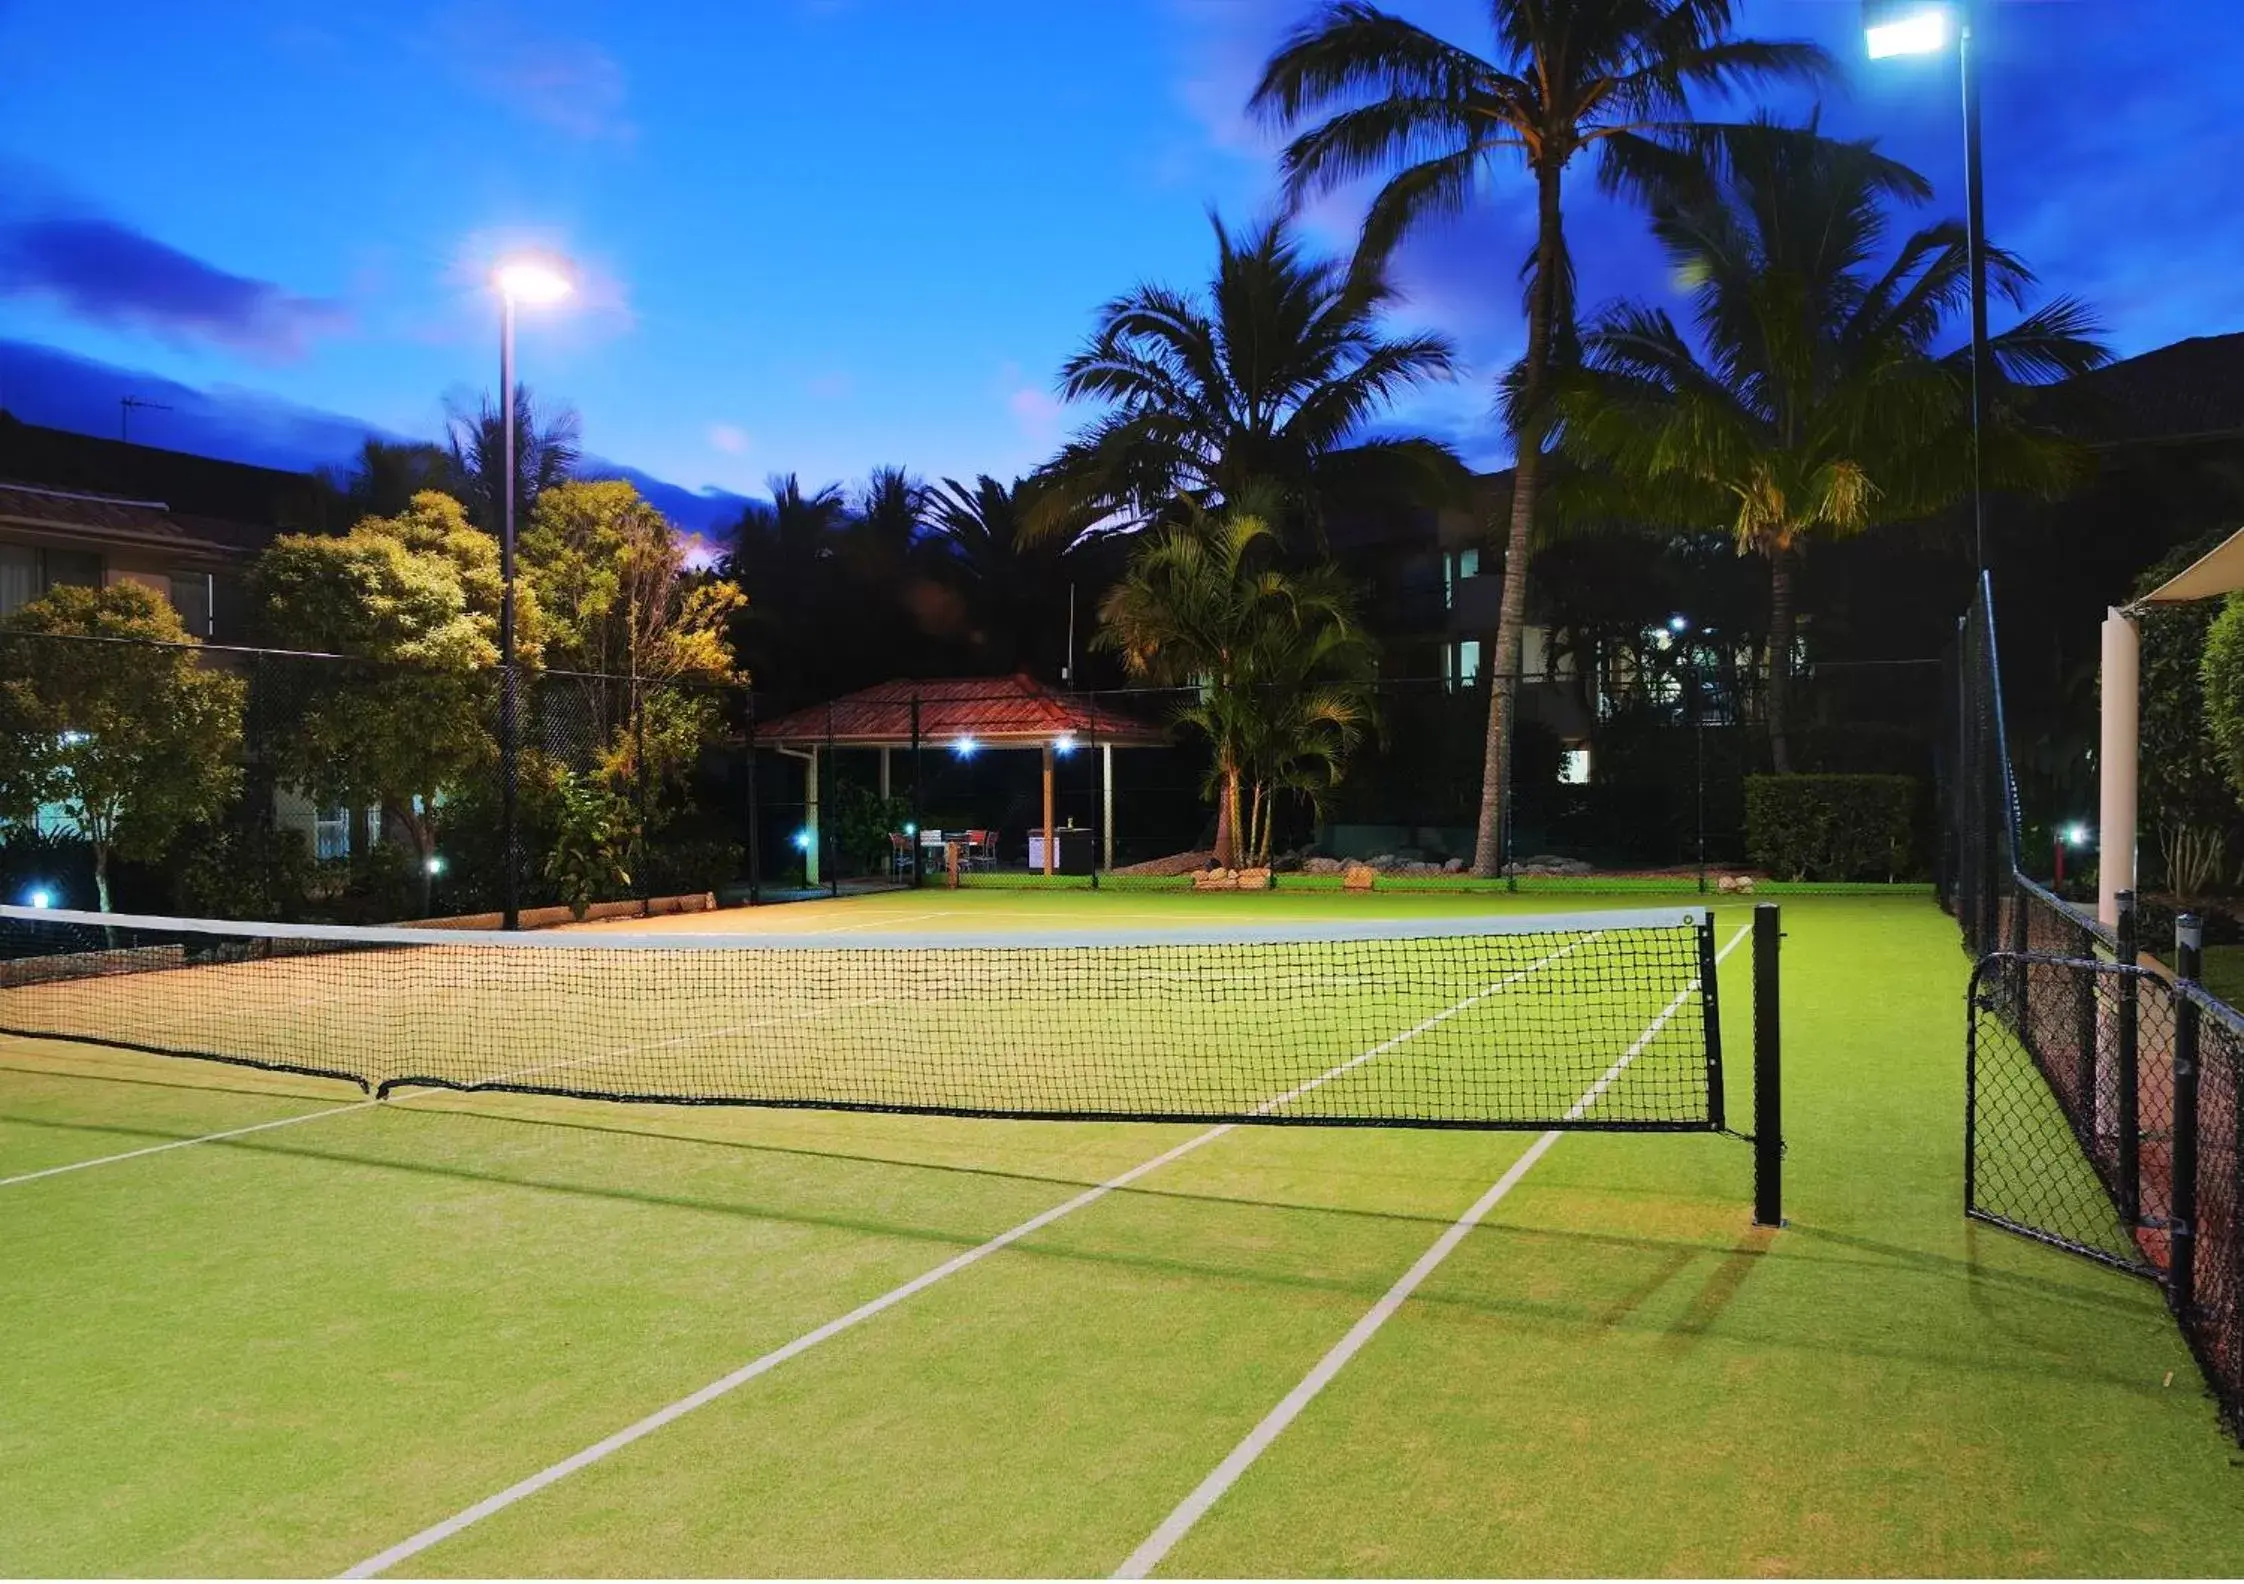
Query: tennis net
column 1595, row 1020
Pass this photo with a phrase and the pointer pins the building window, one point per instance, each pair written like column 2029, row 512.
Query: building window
column 190, row 596
column 1456, row 564
column 1574, row 767
column 1461, row 662
column 27, row 572
column 331, row 833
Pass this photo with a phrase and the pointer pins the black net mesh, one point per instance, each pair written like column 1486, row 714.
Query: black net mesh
column 1593, row 1022
column 2087, row 1132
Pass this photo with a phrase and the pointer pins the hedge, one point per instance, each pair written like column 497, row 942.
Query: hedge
column 1829, row 827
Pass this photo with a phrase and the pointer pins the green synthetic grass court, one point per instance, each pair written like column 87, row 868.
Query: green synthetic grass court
column 290, row 1350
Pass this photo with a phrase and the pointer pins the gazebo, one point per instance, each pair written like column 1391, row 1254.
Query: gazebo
column 960, row 714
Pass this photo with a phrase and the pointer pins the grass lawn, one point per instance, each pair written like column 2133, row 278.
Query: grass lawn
column 288, row 1350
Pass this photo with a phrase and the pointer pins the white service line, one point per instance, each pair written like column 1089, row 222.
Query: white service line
column 1188, row 1512
column 384, row 1560
column 206, row 1138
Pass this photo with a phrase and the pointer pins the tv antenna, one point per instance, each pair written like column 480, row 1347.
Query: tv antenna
column 125, row 406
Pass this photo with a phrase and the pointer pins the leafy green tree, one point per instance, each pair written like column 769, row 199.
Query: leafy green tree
column 1811, row 402
column 385, row 476
column 648, row 639
column 1565, row 77
column 1282, row 668
column 1265, row 382
column 591, row 832
column 413, row 601
column 134, row 737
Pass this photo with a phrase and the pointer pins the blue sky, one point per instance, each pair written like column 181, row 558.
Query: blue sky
column 821, row 235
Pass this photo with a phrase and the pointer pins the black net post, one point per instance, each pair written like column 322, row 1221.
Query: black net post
column 829, row 804
column 642, row 786
column 2181, row 1245
column 1711, row 1002
column 1768, row 1068
column 2126, row 1097
column 755, row 814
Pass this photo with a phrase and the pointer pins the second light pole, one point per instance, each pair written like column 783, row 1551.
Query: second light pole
column 520, row 280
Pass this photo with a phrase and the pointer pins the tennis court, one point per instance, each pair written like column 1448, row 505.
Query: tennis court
column 489, row 1332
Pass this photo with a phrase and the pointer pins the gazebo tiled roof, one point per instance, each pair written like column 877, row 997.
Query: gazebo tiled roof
column 1015, row 711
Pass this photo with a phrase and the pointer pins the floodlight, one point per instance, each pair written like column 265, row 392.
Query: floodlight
column 40, row 897
column 533, row 278
column 965, row 747
column 1919, row 32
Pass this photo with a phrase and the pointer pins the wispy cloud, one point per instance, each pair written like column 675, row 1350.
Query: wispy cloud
column 107, row 273
column 512, row 57
column 728, row 438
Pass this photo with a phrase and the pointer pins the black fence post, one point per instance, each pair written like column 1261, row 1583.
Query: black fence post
column 755, row 814
column 2181, row 1235
column 2127, row 1022
column 1768, row 1068
column 829, row 805
column 919, row 847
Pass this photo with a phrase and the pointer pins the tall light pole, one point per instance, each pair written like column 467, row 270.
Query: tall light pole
column 534, row 281
column 1915, row 27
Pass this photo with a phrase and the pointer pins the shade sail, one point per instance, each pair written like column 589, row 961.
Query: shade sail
column 2219, row 571
column 997, row 712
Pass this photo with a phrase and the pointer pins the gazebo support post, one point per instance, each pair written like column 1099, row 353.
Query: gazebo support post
column 884, row 793
column 811, row 832
column 1106, row 805
column 1048, row 855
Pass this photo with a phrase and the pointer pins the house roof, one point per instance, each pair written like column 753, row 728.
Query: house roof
column 2190, row 390
column 999, row 712
column 116, row 520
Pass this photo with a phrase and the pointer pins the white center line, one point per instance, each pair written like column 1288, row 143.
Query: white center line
column 1209, row 1491
column 435, row 1533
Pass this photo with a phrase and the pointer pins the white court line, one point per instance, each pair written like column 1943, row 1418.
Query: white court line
column 207, row 1138
column 1188, row 1512
column 435, row 1533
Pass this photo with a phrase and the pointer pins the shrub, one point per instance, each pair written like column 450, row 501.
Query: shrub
column 243, row 872
column 1829, row 827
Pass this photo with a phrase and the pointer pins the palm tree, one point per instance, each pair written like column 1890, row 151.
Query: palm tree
column 386, row 475
column 545, row 454
column 1018, row 583
column 1267, row 379
column 1565, row 76
column 784, row 558
column 1282, row 668
column 1813, row 405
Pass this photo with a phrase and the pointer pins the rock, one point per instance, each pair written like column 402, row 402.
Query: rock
column 1287, row 863
column 1322, row 866
column 1175, row 864
column 1745, row 884
column 1454, row 866
column 1728, row 883
column 1253, row 879
column 1215, row 880
column 1359, row 877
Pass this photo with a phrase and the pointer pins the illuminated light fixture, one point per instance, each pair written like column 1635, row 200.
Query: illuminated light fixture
column 1915, row 33
column 2076, row 834
column 802, row 841
column 965, row 747
column 910, row 829
column 533, row 278
column 1679, row 624
column 1064, row 743
column 40, row 897
column 71, row 739
column 435, row 864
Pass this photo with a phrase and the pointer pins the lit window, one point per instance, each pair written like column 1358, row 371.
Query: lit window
column 1464, row 662
column 1574, row 767
column 1468, row 563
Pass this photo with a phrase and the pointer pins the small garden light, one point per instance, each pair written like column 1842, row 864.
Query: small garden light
column 40, row 897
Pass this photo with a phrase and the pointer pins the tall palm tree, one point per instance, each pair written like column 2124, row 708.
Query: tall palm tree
column 1564, row 77
column 784, row 556
column 1018, row 582
column 1814, row 404
column 385, row 476
column 546, row 450
column 1281, row 666
column 1268, row 378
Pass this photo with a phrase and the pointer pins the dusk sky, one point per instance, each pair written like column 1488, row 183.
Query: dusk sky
column 821, row 235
